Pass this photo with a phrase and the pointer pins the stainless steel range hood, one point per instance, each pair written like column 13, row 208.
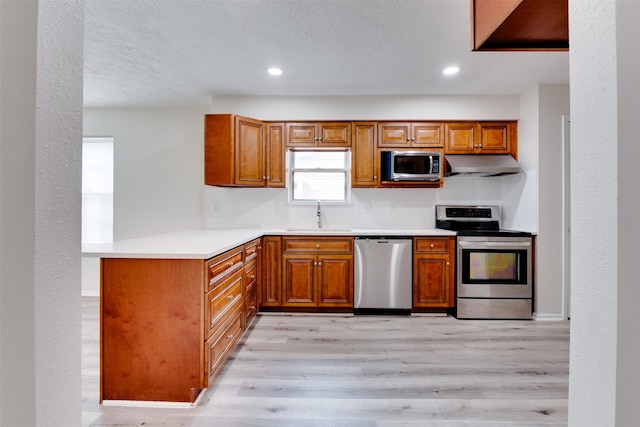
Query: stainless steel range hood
column 484, row 165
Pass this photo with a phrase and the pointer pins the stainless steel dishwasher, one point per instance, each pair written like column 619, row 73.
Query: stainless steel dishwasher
column 382, row 276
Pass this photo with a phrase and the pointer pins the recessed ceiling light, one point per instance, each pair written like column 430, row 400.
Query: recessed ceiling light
column 274, row 71
column 451, row 70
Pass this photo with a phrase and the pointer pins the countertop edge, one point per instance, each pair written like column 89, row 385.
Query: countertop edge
column 206, row 243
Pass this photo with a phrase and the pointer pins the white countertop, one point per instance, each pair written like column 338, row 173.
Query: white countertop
column 208, row 242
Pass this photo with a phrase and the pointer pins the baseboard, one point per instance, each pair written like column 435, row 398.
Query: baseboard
column 90, row 293
column 548, row 317
column 153, row 403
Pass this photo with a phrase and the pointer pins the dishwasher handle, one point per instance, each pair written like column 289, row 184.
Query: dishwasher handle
column 383, row 238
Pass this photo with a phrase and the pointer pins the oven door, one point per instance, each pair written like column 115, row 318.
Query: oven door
column 494, row 267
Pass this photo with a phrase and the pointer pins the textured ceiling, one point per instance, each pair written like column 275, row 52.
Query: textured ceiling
column 183, row 52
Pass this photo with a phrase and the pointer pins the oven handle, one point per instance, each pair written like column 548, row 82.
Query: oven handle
column 494, row 244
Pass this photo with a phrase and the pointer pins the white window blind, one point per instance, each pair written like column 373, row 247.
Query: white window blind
column 97, row 190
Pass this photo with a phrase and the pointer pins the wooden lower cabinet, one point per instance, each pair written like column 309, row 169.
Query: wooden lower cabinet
column 271, row 272
column 334, row 276
column 318, row 273
column 168, row 325
column 152, row 348
column 433, row 273
column 299, row 283
column 223, row 341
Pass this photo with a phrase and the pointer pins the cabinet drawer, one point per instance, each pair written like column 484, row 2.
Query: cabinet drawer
column 318, row 245
column 219, row 303
column 251, row 250
column 222, row 342
column 431, row 245
column 250, row 276
column 250, row 307
column 222, row 266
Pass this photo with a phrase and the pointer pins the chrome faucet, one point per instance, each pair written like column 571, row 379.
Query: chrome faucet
column 319, row 215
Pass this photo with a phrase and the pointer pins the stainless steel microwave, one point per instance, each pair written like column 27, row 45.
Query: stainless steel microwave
column 411, row 165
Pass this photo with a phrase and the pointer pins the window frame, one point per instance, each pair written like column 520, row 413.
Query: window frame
column 291, row 170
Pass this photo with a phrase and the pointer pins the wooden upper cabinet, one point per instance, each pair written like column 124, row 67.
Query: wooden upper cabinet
column 275, row 166
column 394, row 134
column 318, row 134
column 495, row 137
column 480, row 137
column 410, row 134
column 519, row 25
column 249, row 152
column 233, row 151
column 460, row 137
column 238, row 153
column 427, row 135
column 364, row 163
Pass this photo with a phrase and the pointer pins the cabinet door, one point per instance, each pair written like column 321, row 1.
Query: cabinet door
column 271, row 275
column 427, row 135
column 301, row 135
column 494, row 137
column 431, row 276
column 335, row 281
column 162, row 362
column 299, row 280
column 275, row 169
column 364, row 164
column 334, row 134
column 249, row 149
column 394, row 134
column 460, row 138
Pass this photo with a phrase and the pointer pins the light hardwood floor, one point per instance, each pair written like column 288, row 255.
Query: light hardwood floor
column 367, row 371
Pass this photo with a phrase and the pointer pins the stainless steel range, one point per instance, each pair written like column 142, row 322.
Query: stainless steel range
column 494, row 274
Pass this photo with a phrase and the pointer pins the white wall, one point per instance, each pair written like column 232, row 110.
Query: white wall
column 413, row 208
column 370, row 107
column 605, row 107
column 158, row 162
column 540, row 200
column 628, row 70
column 40, row 151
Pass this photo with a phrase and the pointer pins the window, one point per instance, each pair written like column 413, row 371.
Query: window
column 319, row 175
column 97, row 190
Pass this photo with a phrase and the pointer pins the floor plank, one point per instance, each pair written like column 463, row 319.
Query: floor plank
column 367, row 371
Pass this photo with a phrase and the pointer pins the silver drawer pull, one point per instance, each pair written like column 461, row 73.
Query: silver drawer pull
column 230, row 297
column 230, row 336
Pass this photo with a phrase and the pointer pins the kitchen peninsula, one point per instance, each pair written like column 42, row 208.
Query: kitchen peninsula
column 174, row 306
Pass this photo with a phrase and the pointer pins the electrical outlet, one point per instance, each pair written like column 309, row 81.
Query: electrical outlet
column 392, row 206
column 365, row 207
column 215, row 206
